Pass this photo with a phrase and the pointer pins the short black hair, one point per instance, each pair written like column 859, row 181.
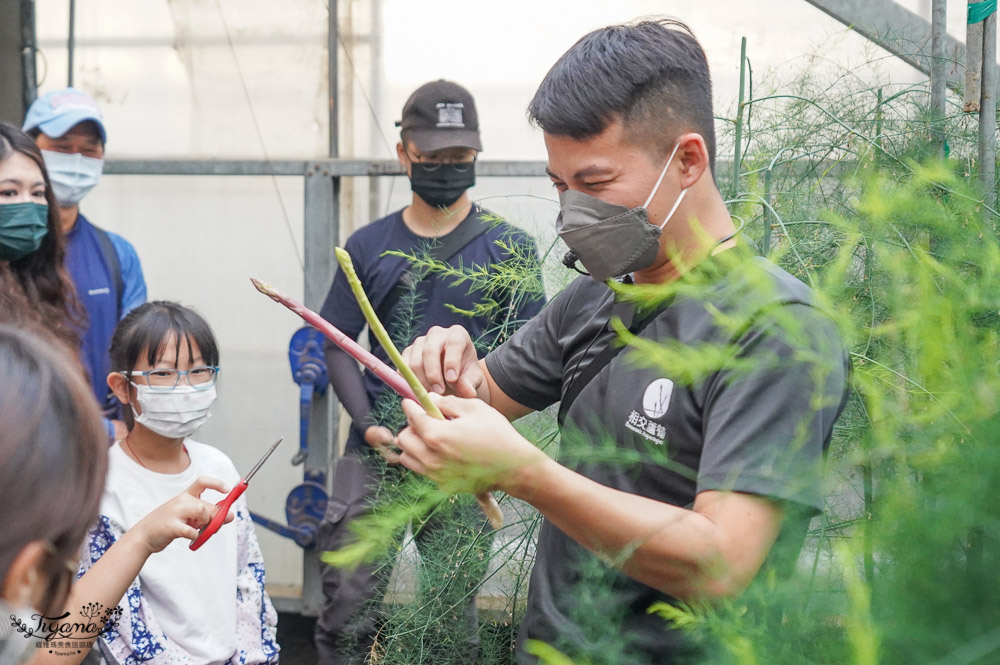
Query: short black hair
column 653, row 74
column 147, row 328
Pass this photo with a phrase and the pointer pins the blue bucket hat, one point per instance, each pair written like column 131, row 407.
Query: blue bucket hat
column 57, row 112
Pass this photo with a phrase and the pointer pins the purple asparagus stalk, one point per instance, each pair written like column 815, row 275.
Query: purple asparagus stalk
column 352, row 348
column 486, row 501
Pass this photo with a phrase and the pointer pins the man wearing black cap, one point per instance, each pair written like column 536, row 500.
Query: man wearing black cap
column 438, row 148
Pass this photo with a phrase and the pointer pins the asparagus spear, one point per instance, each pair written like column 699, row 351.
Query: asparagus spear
column 355, row 350
column 486, row 500
column 366, row 358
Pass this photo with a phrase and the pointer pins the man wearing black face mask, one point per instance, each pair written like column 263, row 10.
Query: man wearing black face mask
column 686, row 466
column 438, row 147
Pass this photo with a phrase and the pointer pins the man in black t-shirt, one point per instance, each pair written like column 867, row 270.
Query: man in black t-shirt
column 438, row 147
column 684, row 466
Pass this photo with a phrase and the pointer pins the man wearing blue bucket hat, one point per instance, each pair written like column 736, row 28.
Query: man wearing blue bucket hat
column 69, row 129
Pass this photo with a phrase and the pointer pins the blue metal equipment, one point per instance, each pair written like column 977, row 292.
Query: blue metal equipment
column 306, row 503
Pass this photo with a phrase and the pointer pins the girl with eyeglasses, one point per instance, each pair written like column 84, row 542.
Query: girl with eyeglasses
column 201, row 607
column 53, row 465
column 53, row 446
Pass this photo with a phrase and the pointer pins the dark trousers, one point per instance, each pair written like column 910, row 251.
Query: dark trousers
column 351, row 627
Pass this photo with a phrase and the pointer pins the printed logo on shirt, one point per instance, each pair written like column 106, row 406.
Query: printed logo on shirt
column 648, row 429
column 655, row 402
column 656, row 399
column 62, row 637
column 450, row 114
column 99, row 292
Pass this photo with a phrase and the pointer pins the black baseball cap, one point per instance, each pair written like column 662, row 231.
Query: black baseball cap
column 441, row 114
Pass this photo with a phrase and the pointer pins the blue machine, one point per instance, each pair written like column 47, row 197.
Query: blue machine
column 306, row 503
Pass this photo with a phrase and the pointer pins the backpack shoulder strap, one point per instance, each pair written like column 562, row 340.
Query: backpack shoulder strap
column 635, row 326
column 627, row 313
column 453, row 243
column 110, row 256
column 470, row 229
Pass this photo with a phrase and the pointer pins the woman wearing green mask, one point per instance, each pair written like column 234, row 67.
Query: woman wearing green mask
column 35, row 290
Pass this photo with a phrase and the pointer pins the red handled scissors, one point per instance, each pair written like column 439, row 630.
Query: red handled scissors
column 226, row 503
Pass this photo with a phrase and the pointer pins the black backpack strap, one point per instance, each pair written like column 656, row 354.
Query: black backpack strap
column 622, row 311
column 114, row 265
column 627, row 313
column 471, row 228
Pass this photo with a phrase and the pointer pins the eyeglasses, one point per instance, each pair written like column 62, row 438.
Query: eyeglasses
column 200, row 378
column 460, row 162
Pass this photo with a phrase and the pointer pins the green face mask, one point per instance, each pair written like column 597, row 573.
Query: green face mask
column 22, row 228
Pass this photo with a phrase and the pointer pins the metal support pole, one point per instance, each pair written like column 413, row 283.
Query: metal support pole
column 939, row 17
column 973, row 63
column 321, row 236
column 333, row 79
column 29, row 77
column 337, row 168
column 71, row 42
column 375, row 88
column 321, row 233
column 988, row 111
column 738, row 139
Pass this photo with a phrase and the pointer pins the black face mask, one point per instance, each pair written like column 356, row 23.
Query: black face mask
column 440, row 184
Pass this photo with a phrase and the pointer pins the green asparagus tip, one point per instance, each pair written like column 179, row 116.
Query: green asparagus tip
column 344, row 259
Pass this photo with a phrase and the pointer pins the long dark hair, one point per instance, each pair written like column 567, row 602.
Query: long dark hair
column 146, row 330
column 53, row 456
column 36, row 289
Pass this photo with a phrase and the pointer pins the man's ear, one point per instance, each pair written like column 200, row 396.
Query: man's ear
column 120, row 387
column 22, row 586
column 404, row 159
column 692, row 153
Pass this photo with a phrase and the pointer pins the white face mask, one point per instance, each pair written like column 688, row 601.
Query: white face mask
column 176, row 413
column 72, row 175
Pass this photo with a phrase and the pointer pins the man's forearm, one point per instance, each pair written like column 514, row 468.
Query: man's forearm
column 349, row 385
column 710, row 552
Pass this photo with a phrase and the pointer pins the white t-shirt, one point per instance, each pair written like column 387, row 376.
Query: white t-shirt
column 192, row 594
